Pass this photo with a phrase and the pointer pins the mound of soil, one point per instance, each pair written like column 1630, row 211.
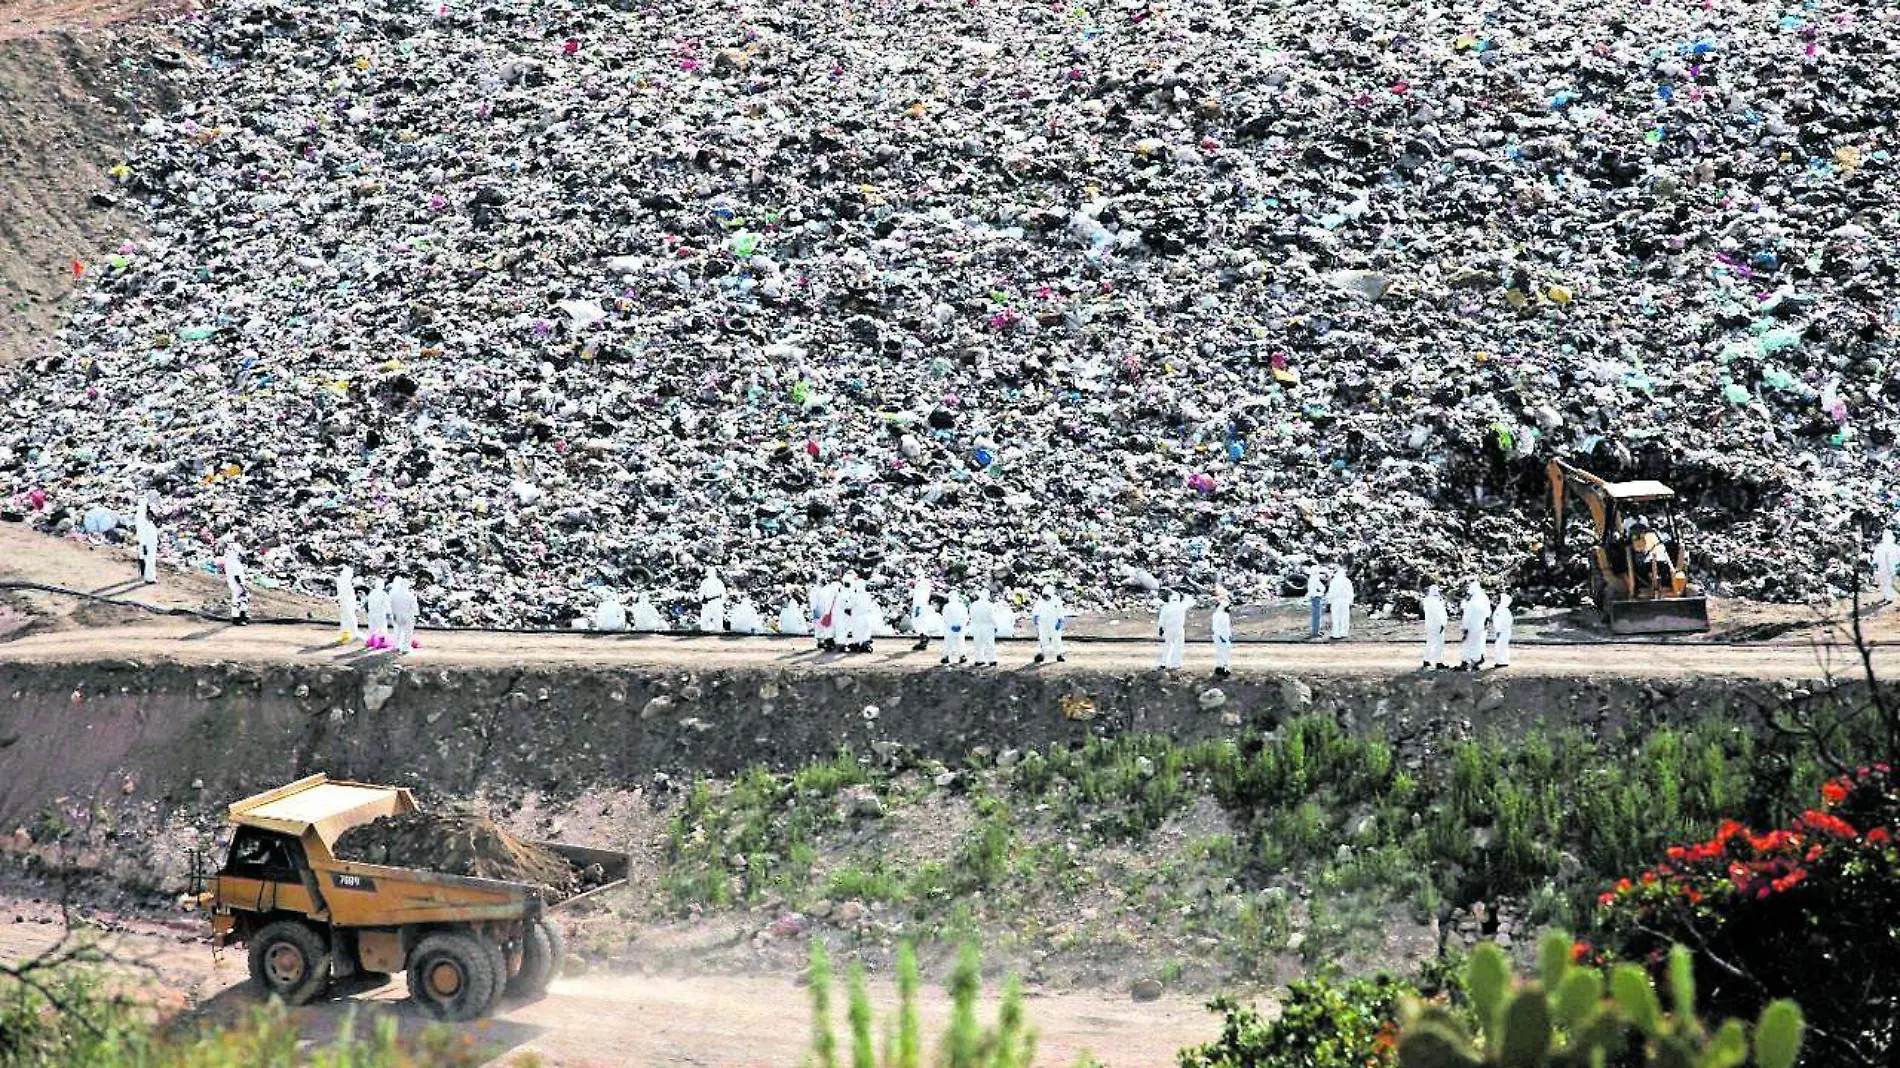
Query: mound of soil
column 459, row 843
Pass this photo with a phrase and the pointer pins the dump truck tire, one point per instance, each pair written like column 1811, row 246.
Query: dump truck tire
column 452, row 976
column 541, row 952
column 498, row 960
column 290, row 960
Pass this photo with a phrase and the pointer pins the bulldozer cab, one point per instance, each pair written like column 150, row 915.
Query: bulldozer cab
column 1640, row 575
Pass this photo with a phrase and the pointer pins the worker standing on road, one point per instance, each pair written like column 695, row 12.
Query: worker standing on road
column 148, row 543
column 824, row 605
column 712, row 603
column 844, row 613
column 794, row 618
column 1477, row 611
column 919, row 611
column 1436, row 620
column 865, row 616
column 611, row 615
column 345, row 606
column 1173, row 630
column 956, row 617
column 1222, row 626
column 646, row 618
column 1048, row 618
column 1501, row 623
column 745, row 618
column 234, row 580
column 377, row 608
column 402, row 612
column 1886, row 562
column 1339, row 594
column 1315, row 596
column 983, row 628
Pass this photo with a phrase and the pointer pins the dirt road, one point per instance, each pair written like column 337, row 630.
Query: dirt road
column 621, row 1021
column 197, row 641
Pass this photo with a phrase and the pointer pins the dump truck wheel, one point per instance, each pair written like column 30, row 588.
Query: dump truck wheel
column 498, row 960
column 290, row 960
column 541, row 952
column 452, row 976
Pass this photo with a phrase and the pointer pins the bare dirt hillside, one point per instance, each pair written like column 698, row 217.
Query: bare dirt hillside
column 76, row 78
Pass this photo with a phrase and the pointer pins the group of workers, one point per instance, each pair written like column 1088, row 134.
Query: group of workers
column 1478, row 612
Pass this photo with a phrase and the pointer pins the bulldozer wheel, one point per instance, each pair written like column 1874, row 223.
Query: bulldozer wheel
column 290, row 960
column 541, row 951
column 452, row 976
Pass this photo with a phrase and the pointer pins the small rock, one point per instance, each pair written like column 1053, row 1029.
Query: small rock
column 1145, row 989
column 849, row 913
column 656, row 706
column 821, row 909
column 1297, row 695
column 1212, row 698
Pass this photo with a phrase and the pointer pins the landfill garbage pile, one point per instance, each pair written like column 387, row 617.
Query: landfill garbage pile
column 527, row 299
column 457, row 843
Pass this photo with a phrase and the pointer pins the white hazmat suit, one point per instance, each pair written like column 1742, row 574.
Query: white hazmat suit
column 1221, row 625
column 983, row 629
column 611, row 615
column 712, row 603
column 745, row 619
column 1047, row 615
column 377, row 609
column 794, row 618
column 1172, row 626
column 956, row 620
column 646, row 617
column 234, row 580
column 921, row 616
column 402, row 615
column 1886, row 563
column 346, row 616
column 1476, row 612
column 1339, row 594
column 1437, row 618
column 824, row 607
column 1501, row 623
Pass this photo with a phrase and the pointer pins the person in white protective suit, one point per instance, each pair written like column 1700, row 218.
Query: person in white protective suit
column 235, row 581
column 1501, row 623
column 147, row 532
column 1886, row 563
column 1221, row 626
column 956, row 621
column 1476, row 612
column 745, row 618
column 376, row 608
column 795, row 617
column 346, row 615
column 611, row 615
column 712, row 603
column 865, row 617
column 647, row 618
column 1436, row 620
column 983, row 629
column 1172, row 627
column 1339, row 593
column 920, row 612
column 402, row 614
column 824, row 607
column 1047, row 615
column 1005, row 615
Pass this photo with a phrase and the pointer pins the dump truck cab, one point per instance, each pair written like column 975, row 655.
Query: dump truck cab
column 1639, row 577
column 308, row 917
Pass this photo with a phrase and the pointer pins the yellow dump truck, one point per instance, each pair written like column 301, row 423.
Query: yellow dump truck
column 308, row 917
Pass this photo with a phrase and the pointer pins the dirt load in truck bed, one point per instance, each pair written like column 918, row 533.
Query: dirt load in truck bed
column 462, row 843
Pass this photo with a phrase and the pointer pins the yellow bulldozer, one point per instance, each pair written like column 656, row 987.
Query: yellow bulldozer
column 1639, row 578
column 308, row 917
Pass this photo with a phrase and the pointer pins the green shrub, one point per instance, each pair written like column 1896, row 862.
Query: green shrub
column 1323, row 1024
column 966, row 1043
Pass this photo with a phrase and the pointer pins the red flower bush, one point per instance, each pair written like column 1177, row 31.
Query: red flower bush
column 1811, row 910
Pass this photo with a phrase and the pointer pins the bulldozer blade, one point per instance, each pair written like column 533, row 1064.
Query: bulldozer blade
column 1674, row 615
